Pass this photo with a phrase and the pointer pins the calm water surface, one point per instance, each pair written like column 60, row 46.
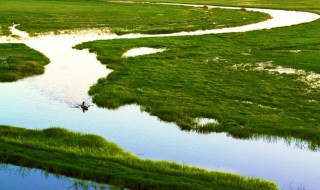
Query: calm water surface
column 51, row 100
column 20, row 178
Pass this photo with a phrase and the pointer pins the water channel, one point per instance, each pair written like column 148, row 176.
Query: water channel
column 51, row 99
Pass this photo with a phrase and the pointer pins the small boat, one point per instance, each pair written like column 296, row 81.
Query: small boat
column 84, row 107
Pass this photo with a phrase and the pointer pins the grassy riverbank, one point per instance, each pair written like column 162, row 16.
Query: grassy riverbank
column 18, row 61
column 35, row 16
column 91, row 157
column 227, row 77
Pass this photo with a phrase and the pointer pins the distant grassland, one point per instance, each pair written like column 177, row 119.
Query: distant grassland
column 306, row 5
column 217, row 76
column 18, row 61
column 37, row 16
column 91, row 157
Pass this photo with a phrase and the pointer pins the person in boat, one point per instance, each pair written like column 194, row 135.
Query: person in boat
column 84, row 106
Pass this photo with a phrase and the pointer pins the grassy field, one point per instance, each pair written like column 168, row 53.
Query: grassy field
column 91, row 157
column 35, row 16
column 18, row 61
column 218, row 76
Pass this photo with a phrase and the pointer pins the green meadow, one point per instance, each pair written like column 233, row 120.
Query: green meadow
column 91, row 157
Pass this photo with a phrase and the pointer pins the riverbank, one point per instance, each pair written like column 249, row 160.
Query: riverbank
column 91, row 157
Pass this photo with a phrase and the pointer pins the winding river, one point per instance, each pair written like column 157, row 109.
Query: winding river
column 51, row 99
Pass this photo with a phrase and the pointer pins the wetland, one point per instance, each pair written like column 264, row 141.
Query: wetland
column 181, row 85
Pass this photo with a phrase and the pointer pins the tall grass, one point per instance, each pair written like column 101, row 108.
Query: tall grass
column 91, row 157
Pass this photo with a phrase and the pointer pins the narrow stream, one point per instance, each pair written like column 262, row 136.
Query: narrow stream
column 52, row 99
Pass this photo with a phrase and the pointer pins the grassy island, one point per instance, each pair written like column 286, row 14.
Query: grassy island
column 18, row 61
column 232, row 78
column 91, row 157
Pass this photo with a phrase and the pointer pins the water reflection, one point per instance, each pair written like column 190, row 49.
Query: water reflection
column 16, row 177
column 247, row 135
column 288, row 141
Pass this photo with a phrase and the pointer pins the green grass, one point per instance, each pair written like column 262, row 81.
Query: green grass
column 91, row 157
column 196, row 77
column 35, row 16
column 18, row 61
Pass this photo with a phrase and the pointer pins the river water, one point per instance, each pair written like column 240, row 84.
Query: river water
column 52, row 99
column 21, row 178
